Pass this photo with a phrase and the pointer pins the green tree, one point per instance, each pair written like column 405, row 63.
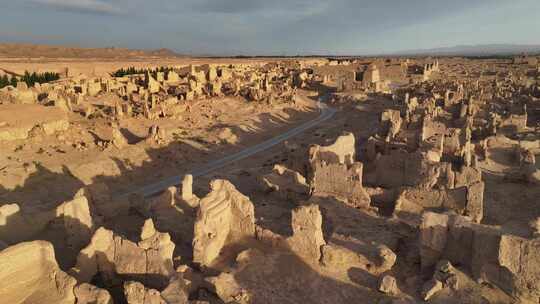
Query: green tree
column 26, row 78
column 13, row 81
column 4, row 81
column 33, row 79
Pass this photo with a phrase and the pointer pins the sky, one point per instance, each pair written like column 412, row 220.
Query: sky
column 271, row 27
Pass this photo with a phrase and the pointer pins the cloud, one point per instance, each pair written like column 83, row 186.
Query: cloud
column 81, row 6
column 269, row 26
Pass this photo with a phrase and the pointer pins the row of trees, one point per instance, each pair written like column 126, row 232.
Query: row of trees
column 134, row 71
column 34, row 78
column 29, row 78
column 129, row 71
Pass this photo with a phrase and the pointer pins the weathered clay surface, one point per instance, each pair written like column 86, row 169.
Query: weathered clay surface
column 342, row 151
column 225, row 219
column 288, row 184
column 488, row 252
column 335, row 173
column 30, row 275
column 307, row 238
column 137, row 293
column 90, row 294
column 340, row 181
column 467, row 200
column 115, row 258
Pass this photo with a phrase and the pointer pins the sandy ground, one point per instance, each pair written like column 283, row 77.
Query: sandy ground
column 50, row 169
column 102, row 67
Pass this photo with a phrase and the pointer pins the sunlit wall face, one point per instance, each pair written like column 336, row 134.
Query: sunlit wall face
column 277, row 27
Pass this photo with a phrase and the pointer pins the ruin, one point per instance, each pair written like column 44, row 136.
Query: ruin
column 116, row 259
column 335, row 173
column 225, row 219
column 153, row 179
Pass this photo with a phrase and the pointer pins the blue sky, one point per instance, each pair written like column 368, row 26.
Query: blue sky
column 271, row 27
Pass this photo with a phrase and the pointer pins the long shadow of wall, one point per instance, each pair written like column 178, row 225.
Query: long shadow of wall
column 45, row 189
column 279, row 275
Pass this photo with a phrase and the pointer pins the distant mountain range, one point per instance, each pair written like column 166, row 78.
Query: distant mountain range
column 475, row 50
column 19, row 50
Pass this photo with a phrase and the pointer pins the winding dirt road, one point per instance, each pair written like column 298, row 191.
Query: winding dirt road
column 159, row 186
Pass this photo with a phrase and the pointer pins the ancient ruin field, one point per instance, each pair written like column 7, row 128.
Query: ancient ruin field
column 133, row 177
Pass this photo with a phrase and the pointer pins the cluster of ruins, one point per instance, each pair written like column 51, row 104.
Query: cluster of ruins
column 161, row 94
column 402, row 210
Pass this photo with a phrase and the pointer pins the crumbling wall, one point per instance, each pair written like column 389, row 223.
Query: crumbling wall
column 400, row 168
column 391, row 123
column 117, row 259
column 307, row 238
column 30, row 275
column 225, row 218
column 341, row 151
column 508, row 261
column 467, row 200
column 341, row 181
column 335, row 173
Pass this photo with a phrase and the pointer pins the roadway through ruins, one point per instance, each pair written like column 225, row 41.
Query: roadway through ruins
column 326, row 113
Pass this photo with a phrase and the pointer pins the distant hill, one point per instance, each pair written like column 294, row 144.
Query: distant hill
column 18, row 50
column 475, row 50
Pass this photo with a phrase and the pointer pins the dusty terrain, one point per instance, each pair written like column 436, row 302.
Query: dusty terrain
column 423, row 186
